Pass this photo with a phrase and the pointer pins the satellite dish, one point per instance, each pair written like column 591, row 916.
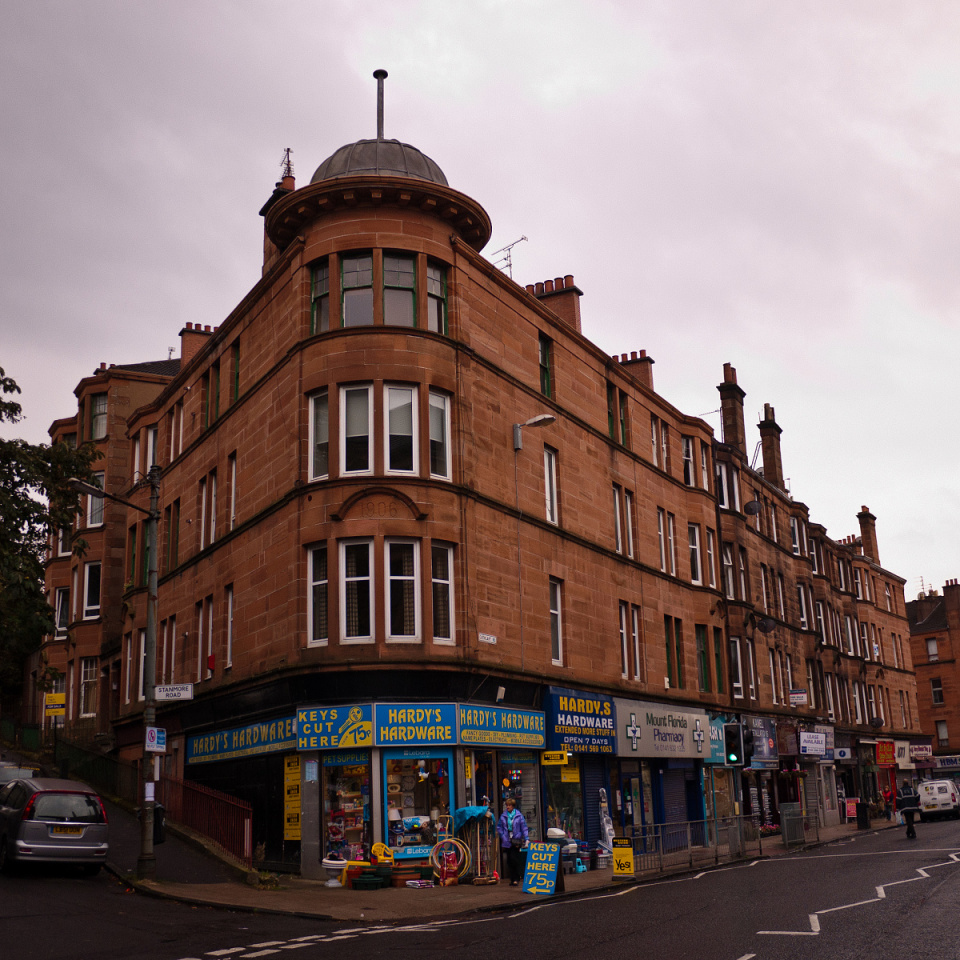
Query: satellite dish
column 766, row 625
column 752, row 507
column 876, row 722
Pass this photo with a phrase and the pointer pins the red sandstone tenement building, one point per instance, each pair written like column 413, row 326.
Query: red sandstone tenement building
column 935, row 641
column 417, row 529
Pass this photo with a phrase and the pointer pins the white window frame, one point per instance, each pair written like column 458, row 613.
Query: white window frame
column 689, row 471
column 736, row 669
column 742, row 571
column 389, row 389
column 203, row 512
column 654, row 442
column 781, row 600
column 314, row 583
column 440, row 402
column 820, row 624
column 209, row 610
column 142, row 668
column 628, row 520
column 556, row 621
column 551, row 510
column 199, row 613
column 933, row 652
column 811, row 686
column 858, row 583
column 802, row 599
column 662, row 537
column 447, row 583
column 943, row 736
column 624, row 640
column 635, row 623
column 413, row 579
column 773, row 676
column 711, row 559
column 672, row 544
column 794, row 537
column 729, row 575
column 319, row 432
column 704, row 466
column 61, row 610
column 750, row 669
column 98, row 416
column 232, row 469
column 228, row 610
column 128, row 664
column 212, row 490
column 617, row 530
column 95, row 504
column 88, row 665
column 696, row 560
column 345, row 393
column 91, row 611
column 344, row 545
column 828, row 693
column 153, row 446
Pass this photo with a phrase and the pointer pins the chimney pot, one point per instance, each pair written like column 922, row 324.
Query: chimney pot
column 558, row 283
column 633, row 354
column 548, row 286
column 538, row 288
column 529, row 288
column 568, row 280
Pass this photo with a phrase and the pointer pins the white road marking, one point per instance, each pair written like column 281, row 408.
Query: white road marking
column 224, row 953
column 814, row 930
column 261, row 953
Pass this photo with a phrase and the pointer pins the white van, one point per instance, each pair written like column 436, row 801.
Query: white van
column 939, row 798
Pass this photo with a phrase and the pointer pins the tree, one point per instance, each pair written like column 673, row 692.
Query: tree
column 35, row 503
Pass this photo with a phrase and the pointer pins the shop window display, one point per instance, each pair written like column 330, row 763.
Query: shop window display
column 518, row 772
column 417, row 801
column 564, row 798
column 347, row 810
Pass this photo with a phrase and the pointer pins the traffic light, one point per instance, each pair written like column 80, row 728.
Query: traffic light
column 732, row 745
column 749, row 744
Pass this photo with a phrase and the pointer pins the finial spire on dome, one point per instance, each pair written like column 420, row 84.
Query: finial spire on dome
column 380, row 76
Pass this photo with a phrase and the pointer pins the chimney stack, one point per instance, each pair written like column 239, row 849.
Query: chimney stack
column 192, row 339
column 770, row 442
column 731, row 407
column 641, row 366
column 868, row 534
column 563, row 296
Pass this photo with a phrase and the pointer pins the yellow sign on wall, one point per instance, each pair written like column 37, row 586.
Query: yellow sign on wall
column 291, row 797
column 553, row 758
column 55, row 704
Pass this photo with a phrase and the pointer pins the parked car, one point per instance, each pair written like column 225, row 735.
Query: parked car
column 45, row 820
column 939, row 798
column 10, row 771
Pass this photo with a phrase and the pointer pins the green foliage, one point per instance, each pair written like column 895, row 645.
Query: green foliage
column 35, row 502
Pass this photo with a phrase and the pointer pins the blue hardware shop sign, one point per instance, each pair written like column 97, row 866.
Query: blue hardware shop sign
column 580, row 722
column 501, row 727
column 397, row 724
column 251, row 740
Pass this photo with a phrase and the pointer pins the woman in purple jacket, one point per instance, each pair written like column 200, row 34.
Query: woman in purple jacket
column 513, row 833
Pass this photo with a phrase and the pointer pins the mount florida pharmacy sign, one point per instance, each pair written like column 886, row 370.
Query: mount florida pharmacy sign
column 658, row 730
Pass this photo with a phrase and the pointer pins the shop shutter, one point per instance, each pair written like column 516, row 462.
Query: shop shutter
column 811, row 793
column 594, row 778
column 674, row 796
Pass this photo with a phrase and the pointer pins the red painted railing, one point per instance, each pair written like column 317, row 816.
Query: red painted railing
column 225, row 820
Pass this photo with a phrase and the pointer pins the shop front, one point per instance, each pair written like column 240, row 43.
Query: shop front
column 719, row 781
column 886, row 762
column 759, row 779
column 669, row 746
column 584, row 726
column 251, row 762
column 396, row 772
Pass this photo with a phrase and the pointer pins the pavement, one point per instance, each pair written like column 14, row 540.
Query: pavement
column 189, row 870
column 181, row 876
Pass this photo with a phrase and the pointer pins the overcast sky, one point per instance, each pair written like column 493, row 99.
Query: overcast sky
column 769, row 184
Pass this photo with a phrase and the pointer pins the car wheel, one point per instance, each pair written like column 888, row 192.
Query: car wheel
column 6, row 862
column 91, row 869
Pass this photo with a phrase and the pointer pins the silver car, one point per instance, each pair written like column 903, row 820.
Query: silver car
column 44, row 820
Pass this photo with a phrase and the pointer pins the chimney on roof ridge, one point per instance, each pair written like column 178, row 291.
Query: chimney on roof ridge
column 192, row 338
column 640, row 365
column 770, row 444
column 564, row 297
column 868, row 534
column 731, row 411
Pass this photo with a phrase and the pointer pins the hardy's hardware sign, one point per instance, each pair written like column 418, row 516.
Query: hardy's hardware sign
column 580, row 722
column 270, row 736
column 400, row 724
column 658, row 730
column 335, row 728
column 501, row 727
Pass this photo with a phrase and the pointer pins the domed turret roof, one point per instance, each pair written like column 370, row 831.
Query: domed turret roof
column 380, row 157
column 386, row 158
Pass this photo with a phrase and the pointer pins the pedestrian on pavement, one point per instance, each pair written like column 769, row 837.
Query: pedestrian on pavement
column 513, row 832
column 888, row 802
column 908, row 801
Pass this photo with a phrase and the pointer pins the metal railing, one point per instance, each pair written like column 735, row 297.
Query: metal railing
column 108, row 774
column 224, row 819
column 697, row 843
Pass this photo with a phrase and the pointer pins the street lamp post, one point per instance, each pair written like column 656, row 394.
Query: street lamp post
column 146, row 862
column 540, row 420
